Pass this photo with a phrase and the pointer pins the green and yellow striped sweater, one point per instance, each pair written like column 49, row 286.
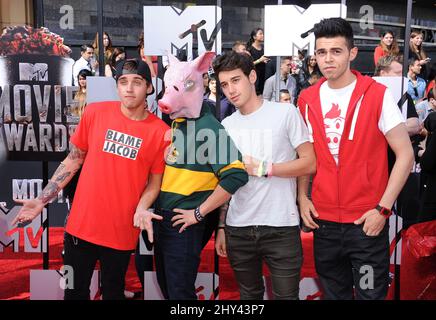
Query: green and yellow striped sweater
column 201, row 156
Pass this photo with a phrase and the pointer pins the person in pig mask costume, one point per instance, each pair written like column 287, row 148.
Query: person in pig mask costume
column 203, row 169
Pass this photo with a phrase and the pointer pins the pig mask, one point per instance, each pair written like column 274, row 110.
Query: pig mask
column 184, row 86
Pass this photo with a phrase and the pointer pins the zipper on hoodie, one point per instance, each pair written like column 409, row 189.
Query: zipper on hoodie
column 350, row 137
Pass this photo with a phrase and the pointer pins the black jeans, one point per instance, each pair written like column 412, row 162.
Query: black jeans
column 82, row 257
column 345, row 257
column 177, row 257
column 279, row 247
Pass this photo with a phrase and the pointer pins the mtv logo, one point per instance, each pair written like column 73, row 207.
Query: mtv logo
column 35, row 237
column 46, row 285
column 283, row 40
column 175, row 29
column 206, row 284
column 33, row 72
column 310, row 289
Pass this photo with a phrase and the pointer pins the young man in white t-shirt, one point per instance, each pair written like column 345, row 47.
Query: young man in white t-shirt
column 351, row 120
column 262, row 223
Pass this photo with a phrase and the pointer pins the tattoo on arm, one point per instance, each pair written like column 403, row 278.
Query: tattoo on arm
column 50, row 192
column 223, row 214
column 76, row 153
column 59, row 169
column 62, row 177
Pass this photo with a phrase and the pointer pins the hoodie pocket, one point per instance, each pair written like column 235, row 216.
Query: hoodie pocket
column 324, row 186
column 355, row 188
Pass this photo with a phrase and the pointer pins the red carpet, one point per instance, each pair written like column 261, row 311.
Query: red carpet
column 15, row 269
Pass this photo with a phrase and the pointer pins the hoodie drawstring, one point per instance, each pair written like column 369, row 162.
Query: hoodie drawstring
column 353, row 123
column 309, row 125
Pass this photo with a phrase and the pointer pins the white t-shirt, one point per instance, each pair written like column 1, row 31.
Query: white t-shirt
column 271, row 133
column 334, row 105
column 77, row 67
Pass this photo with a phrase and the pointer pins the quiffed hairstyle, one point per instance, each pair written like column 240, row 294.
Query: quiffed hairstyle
column 85, row 47
column 412, row 61
column 232, row 60
column 384, row 63
column 334, row 27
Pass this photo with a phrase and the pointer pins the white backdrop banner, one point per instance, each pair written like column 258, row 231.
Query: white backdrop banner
column 284, row 25
column 168, row 29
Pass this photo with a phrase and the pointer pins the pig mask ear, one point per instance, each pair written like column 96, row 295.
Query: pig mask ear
column 203, row 62
column 172, row 59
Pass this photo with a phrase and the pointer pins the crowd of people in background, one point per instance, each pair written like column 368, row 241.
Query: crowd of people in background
column 300, row 72
column 296, row 73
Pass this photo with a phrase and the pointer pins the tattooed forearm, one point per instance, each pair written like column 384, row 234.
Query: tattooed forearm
column 59, row 169
column 223, row 214
column 50, row 192
column 63, row 176
column 76, row 153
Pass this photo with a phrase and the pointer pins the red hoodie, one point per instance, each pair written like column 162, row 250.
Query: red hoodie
column 343, row 192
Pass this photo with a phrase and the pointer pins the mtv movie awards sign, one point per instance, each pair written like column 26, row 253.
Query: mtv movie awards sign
column 36, row 94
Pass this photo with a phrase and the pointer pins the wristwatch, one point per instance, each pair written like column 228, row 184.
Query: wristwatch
column 385, row 212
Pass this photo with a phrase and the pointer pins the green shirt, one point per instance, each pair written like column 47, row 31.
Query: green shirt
column 201, row 156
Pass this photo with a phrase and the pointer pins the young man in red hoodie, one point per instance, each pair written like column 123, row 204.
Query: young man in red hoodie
column 351, row 120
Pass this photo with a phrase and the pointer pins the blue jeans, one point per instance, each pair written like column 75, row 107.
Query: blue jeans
column 177, row 257
column 279, row 247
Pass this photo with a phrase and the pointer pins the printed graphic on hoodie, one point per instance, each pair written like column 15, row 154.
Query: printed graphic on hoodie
column 334, row 104
column 334, row 126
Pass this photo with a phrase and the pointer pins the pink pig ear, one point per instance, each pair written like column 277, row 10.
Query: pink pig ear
column 203, row 62
column 172, row 59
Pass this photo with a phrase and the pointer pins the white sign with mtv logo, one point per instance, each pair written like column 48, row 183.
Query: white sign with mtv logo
column 33, row 72
column 284, row 25
column 168, row 29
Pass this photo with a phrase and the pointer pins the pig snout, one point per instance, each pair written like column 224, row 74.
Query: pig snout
column 164, row 107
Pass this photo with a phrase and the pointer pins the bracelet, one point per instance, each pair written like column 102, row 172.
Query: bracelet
column 221, row 227
column 269, row 170
column 198, row 215
column 261, row 169
column 264, row 169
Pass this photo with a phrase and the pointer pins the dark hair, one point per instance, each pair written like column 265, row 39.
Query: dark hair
column 285, row 91
column 115, row 54
column 109, row 38
column 283, row 58
column 412, row 61
column 140, row 42
column 334, row 27
column 232, row 60
column 394, row 49
column 252, row 35
column 84, row 73
column 85, row 47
